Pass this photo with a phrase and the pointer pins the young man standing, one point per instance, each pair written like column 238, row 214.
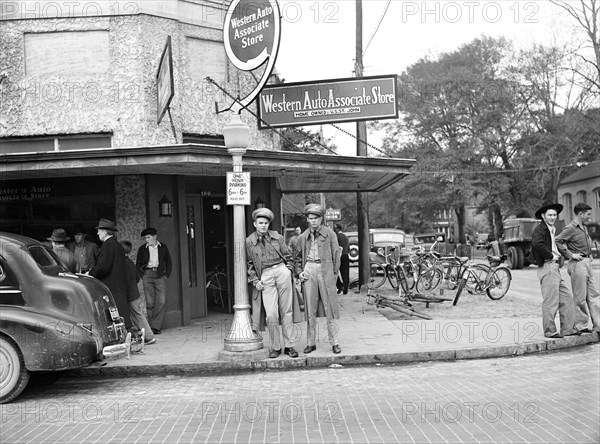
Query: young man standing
column 317, row 269
column 154, row 264
column 555, row 294
column 84, row 250
column 269, row 263
column 575, row 244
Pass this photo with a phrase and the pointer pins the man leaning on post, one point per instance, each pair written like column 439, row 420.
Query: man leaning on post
column 269, row 272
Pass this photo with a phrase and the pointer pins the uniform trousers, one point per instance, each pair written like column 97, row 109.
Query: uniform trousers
column 555, row 297
column 314, row 289
column 585, row 294
column 277, row 300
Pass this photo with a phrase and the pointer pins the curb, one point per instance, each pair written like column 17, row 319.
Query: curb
column 224, row 367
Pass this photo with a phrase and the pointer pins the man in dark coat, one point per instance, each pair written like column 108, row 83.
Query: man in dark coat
column 110, row 267
column 344, row 277
column 555, row 293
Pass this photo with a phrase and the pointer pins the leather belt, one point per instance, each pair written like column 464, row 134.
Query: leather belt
column 314, row 261
column 152, row 268
column 273, row 266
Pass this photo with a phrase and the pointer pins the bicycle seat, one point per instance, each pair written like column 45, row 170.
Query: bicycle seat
column 463, row 259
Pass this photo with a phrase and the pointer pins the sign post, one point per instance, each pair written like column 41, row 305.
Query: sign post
column 251, row 34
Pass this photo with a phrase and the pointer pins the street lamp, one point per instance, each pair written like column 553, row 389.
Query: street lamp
column 241, row 342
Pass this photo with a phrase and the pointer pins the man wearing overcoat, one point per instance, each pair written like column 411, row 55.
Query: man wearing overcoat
column 269, row 273
column 110, row 267
column 317, row 267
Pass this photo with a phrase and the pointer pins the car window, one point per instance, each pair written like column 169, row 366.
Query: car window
column 388, row 237
column 42, row 256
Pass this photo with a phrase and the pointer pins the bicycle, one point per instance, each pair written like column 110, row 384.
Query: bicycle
column 216, row 285
column 397, row 303
column 496, row 282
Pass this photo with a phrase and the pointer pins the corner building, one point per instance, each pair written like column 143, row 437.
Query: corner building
column 79, row 138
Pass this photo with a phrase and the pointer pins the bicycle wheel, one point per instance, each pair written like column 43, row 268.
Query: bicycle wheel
column 409, row 274
column 461, row 286
column 393, row 278
column 498, row 283
column 476, row 279
column 428, row 281
column 378, row 275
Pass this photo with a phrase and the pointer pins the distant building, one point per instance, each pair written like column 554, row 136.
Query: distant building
column 581, row 186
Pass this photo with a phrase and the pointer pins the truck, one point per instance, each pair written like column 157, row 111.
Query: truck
column 516, row 240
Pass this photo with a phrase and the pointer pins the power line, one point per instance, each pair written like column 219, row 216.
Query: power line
column 387, row 5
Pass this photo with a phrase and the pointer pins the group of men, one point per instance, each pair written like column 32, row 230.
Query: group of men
column 549, row 253
column 314, row 259
column 111, row 264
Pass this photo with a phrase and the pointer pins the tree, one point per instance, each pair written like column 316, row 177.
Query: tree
column 586, row 14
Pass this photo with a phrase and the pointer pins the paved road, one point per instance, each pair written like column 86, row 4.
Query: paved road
column 537, row 398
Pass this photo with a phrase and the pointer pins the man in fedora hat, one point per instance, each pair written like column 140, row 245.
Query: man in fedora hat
column 317, row 269
column 575, row 243
column 111, row 268
column 154, row 265
column 58, row 239
column 269, row 272
column 555, row 293
column 84, row 250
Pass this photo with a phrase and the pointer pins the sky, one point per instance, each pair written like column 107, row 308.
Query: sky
column 318, row 37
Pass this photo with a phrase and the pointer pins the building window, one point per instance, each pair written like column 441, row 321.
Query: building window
column 206, row 58
column 597, row 197
column 54, row 143
column 204, row 139
column 67, row 53
column 568, row 205
column 581, row 196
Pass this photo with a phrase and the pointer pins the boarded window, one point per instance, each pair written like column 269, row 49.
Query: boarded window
column 206, row 58
column 67, row 53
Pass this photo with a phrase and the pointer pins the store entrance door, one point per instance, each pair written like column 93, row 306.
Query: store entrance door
column 217, row 260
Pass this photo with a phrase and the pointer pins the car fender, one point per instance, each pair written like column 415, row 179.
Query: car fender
column 48, row 343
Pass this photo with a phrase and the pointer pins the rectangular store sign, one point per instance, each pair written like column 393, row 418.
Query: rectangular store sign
column 329, row 101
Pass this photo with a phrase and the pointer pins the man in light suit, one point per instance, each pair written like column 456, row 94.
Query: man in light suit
column 317, row 267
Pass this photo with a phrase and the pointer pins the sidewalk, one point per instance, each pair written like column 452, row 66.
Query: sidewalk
column 365, row 338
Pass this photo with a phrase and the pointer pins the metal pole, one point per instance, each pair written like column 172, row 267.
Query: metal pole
column 240, row 338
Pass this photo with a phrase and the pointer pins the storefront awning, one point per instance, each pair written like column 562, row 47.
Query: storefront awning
column 295, row 172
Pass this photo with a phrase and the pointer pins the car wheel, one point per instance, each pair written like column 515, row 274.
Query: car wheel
column 13, row 374
column 353, row 253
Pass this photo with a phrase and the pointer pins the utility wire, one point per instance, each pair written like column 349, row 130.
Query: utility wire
column 387, row 5
column 316, row 141
column 367, row 143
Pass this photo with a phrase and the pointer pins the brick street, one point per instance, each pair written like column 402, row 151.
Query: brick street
column 535, row 398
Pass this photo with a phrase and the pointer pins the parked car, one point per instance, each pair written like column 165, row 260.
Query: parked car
column 50, row 319
column 594, row 231
column 426, row 240
column 378, row 238
column 483, row 241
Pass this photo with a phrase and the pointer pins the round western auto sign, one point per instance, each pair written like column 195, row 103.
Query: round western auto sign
column 251, row 32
